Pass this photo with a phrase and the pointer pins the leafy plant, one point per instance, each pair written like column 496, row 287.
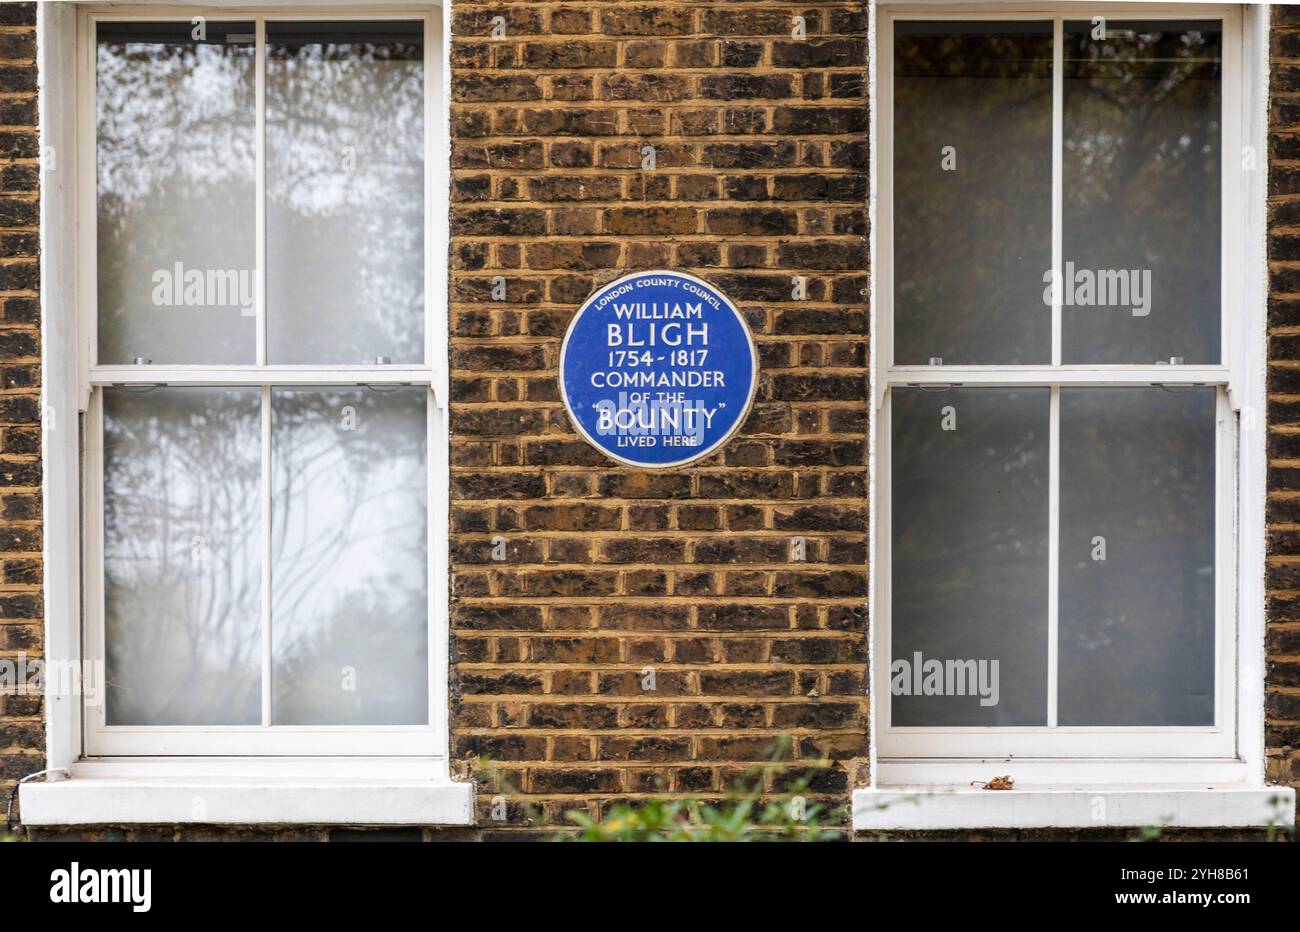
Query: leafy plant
column 1276, row 827
column 1148, row 833
column 747, row 813
column 1278, row 824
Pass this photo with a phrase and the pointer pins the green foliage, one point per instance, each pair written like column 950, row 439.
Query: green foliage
column 1148, row 833
column 1278, row 824
column 747, row 813
column 1276, row 828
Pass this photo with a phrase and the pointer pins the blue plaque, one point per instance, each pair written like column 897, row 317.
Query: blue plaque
column 658, row 369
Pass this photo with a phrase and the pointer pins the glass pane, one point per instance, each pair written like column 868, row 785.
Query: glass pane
column 1142, row 164
column 175, row 174
column 345, row 192
column 349, row 558
column 969, row 581
column 1137, row 556
column 182, row 571
column 972, row 192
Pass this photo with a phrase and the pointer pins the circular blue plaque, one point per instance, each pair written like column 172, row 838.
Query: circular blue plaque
column 658, row 369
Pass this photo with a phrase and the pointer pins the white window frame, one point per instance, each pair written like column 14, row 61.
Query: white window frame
column 1232, row 747
column 102, row 738
column 102, row 774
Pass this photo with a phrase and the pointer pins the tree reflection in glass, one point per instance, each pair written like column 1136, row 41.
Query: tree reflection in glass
column 175, row 167
column 1142, row 165
column 345, row 192
column 181, row 556
column 972, row 192
column 969, row 546
column 1137, row 556
column 349, row 558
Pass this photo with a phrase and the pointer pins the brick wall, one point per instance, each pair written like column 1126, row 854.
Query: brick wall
column 1282, row 709
column 22, row 732
column 760, row 176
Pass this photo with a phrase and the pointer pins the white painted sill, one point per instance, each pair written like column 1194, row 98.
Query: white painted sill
column 940, row 808
column 250, row 792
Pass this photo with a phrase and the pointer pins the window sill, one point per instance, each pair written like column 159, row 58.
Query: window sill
column 939, row 808
column 259, row 792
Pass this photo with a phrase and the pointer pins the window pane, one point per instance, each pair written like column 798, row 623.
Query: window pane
column 972, row 192
column 175, row 174
column 1142, row 167
column 969, row 580
column 182, row 571
column 345, row 192
column 1137, row 556
column 349, row 564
